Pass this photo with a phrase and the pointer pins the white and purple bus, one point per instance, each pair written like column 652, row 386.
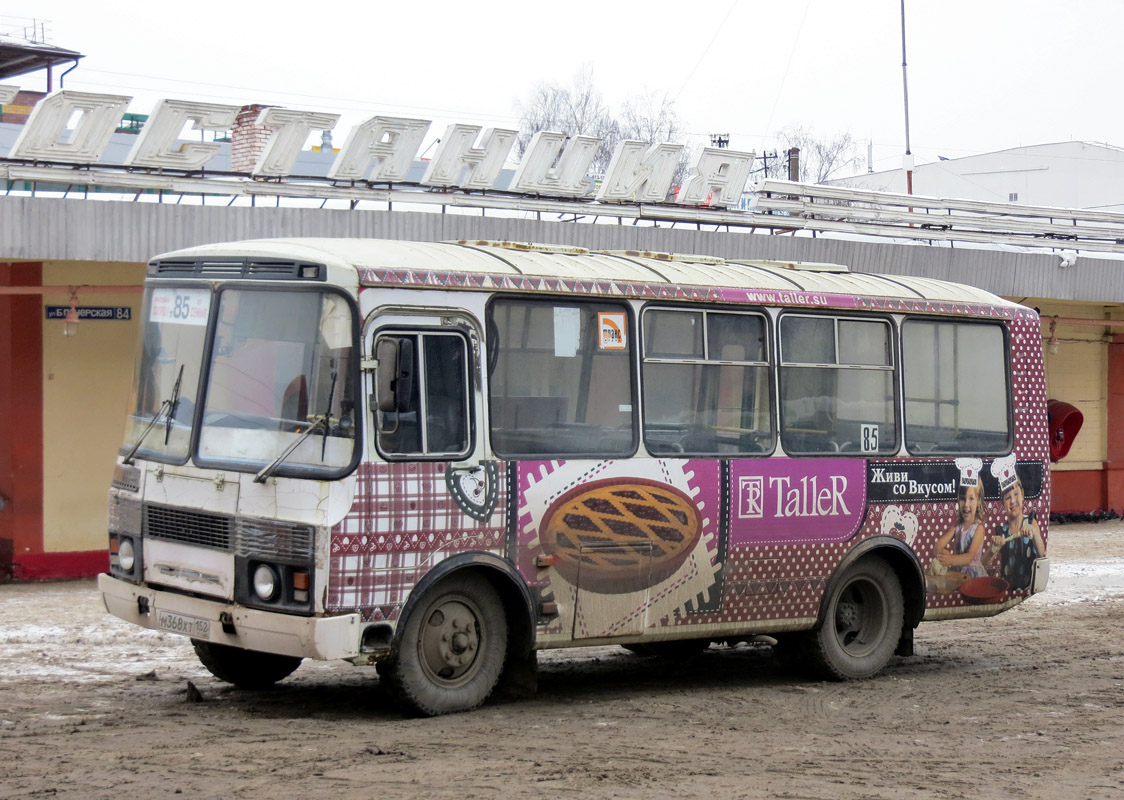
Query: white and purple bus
column 439, row 458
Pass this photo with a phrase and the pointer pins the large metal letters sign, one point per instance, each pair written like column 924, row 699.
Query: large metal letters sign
column 71, row 127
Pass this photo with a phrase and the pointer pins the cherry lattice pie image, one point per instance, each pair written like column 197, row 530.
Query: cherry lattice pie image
column 616, row 537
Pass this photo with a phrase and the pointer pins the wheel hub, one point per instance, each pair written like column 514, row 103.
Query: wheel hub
column 450, row 640
column 846, row 616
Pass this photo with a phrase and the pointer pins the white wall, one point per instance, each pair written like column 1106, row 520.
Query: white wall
column 1066, row 175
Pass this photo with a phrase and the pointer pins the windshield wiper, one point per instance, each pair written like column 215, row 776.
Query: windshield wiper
column 322, row 420
column 167, row 405
column 327, row 411
column 267, row 470
column 173, row 402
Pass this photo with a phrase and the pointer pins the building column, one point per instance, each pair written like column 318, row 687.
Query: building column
column 21, row 419
column 1114, row 426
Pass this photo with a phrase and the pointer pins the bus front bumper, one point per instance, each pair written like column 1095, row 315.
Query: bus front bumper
column 251, row 629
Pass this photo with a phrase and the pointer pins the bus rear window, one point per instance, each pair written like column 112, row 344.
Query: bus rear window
column 560, row 378
column 957, row 398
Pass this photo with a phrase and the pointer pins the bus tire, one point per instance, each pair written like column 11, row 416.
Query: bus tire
column 246, row 669
column 452, row 648
column 861, row 624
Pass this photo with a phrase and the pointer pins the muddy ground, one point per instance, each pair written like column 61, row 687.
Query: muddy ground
column 1029, row 704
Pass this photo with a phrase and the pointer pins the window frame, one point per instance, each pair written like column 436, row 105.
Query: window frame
column 421, row 331
column 1008, row 377
column 893, row 353
column 283, row 470
column 768, row 365
column 492, row 353
column 150, row 285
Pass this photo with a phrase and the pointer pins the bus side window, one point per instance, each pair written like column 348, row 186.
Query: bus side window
column 706, row 383
column 957, row 392
column 560, row 378
column 421, row 400
column 837, row 386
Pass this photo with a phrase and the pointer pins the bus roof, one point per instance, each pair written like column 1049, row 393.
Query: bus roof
column 371, row 257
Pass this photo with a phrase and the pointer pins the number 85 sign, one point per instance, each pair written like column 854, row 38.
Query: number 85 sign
column 180, row 306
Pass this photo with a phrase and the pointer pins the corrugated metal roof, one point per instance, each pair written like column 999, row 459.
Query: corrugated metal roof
column 518, row 259
column 95, row 232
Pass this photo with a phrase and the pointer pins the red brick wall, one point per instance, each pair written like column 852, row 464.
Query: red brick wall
column 18, row 110
column 247, row 140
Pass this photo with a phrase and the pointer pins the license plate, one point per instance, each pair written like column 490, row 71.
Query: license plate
column 185, row 624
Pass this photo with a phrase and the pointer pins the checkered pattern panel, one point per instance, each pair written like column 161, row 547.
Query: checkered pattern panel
column 403, row 521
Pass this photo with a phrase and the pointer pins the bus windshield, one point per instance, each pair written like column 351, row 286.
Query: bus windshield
column 166, row 372
column 281, row 362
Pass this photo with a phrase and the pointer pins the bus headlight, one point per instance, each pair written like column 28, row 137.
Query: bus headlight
column 126, row 555
column 265, row 582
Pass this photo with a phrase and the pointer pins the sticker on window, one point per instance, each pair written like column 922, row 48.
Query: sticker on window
column 567, row 331
column 869, row 435
column 611, row 328
column 180, row 306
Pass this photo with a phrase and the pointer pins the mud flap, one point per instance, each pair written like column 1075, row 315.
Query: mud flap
column 519, row 679
column 905, row 643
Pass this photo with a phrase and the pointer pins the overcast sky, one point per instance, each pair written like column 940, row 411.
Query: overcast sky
column 983, row 75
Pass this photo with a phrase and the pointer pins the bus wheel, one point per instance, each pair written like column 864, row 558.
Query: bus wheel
column 862, row 623
column 246, row 669
column 452, row 648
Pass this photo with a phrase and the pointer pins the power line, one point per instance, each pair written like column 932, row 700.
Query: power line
column 256, row 93
column 717, row 31
column 787, row 66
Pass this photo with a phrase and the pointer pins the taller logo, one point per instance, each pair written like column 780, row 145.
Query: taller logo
column 789, row 500
column 751, row 496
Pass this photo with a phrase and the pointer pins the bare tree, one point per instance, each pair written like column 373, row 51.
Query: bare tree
column 573, row 110
column 820, row 159
column 650, row 118
column 580, row 109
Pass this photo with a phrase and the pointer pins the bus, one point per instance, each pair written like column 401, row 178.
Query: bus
column 442, row 457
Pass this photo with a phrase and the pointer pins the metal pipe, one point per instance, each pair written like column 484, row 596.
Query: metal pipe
column 62, row 78
column 68, row 290
column 1103, row 323
column 905, row 93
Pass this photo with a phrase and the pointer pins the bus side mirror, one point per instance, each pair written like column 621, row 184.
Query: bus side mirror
column 395, row 374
